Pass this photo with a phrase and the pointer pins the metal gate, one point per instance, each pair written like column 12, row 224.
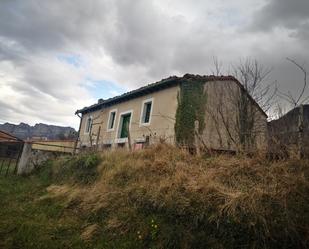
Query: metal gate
column 10, row 151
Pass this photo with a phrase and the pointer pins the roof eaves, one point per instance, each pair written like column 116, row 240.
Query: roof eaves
column 14, row 138
column 128, row 95
column 157, row 85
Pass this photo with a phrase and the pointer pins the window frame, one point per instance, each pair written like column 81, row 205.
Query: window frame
column 142, row 117
column 109, row 120
column 86, row 125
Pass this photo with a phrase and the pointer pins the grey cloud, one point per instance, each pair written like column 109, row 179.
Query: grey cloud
column 292, row 15
column 302, row 32
column 41, row 25
column 140, row 35
column 10, row 52
column 142, row 44
column 131, row 32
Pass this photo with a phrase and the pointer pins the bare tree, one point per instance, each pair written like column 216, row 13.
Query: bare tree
column 279, row 111
column 96, row 121
column 243, row 130
column 300, row 99
column 217, row 70
column 253, row 77
column 297, row 103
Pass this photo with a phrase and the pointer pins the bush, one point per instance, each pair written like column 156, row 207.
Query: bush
column 79, row 169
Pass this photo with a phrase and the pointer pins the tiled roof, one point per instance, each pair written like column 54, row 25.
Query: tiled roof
column 162, row 84
column 6, row 137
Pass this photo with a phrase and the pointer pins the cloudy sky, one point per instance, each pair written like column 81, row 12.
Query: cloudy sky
column 59, row 56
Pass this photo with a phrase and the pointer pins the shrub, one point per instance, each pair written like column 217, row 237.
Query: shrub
column 79, row 169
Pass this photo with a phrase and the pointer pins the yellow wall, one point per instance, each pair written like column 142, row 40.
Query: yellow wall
column 221, row 97
column 161, row 124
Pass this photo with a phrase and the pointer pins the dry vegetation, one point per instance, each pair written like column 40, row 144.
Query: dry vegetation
column 163, row 197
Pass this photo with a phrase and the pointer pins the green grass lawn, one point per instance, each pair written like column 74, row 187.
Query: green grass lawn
column 7, row 166
column 30, row 222
column 29, row 219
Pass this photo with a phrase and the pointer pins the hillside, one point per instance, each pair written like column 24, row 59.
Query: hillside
column 24, row 131
column 161, row 197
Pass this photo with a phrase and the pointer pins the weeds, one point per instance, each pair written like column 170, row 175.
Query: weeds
column 160, row 197
column 79, row 169
column 29, row 221
column 223, row 202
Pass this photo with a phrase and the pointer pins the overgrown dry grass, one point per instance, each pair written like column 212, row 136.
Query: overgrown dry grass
column 163, row 197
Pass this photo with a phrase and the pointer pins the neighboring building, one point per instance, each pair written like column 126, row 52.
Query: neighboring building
column 166, row 111
column 290, row 133
column 10, row 145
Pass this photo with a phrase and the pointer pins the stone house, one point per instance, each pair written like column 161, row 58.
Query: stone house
column 168, row 111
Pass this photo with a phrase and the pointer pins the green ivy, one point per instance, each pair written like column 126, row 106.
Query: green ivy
column 191, row 107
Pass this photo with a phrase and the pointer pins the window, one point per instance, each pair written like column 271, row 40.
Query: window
column 146, row 111
column 88, row 125
column 111, row 120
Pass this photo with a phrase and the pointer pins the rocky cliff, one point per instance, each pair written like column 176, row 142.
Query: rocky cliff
column 25, row 131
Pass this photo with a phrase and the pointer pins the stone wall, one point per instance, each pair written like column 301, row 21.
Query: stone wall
column 33, row 158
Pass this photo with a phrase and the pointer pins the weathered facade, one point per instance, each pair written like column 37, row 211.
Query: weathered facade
column 149, row 115
column 223, row 130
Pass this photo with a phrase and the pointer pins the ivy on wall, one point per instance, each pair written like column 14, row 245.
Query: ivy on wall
column 191, row 107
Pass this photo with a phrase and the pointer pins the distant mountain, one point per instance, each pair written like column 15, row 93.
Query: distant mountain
column 39, row 131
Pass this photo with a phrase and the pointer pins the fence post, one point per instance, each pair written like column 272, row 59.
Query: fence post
column 18, row 157
column 98, row 138
column 3, row 160
column 300, row 131
column 196, row 139
column 24, row 159
column 129, row 138
column 78, row 134
column 7, row 169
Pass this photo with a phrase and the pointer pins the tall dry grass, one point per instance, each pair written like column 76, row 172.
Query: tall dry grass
column 216, row 202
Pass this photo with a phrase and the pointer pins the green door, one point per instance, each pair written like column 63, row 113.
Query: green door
column 125, row 125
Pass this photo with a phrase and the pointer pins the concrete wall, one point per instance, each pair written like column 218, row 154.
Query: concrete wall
column 161, row 124
column 33, row 156
column 222, row 128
